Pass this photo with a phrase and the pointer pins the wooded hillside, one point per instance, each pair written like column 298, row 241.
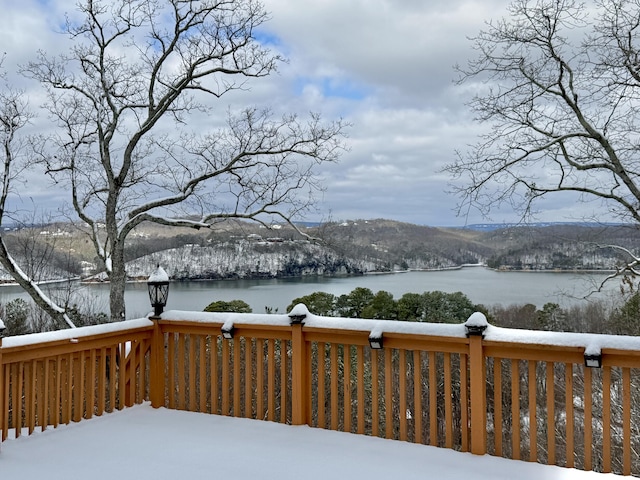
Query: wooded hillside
column 244, row 250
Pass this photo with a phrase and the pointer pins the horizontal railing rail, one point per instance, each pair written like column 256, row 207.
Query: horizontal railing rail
column 471, row 387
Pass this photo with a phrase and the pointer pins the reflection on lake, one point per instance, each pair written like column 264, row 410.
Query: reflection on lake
column 480, row 284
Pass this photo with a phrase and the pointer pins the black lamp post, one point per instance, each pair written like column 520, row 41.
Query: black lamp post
column 158, row 284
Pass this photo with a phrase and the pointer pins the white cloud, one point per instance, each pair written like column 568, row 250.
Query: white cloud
column 386, row 66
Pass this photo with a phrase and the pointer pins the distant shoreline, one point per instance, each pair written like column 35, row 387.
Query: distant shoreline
column 371, row 273
column 499, row 270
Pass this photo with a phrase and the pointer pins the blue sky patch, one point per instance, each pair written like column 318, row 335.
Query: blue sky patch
column 334, row 87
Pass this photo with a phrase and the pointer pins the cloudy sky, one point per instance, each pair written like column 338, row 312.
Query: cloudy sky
column 385, row 66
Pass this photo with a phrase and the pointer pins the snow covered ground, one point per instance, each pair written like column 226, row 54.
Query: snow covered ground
column 144, row 443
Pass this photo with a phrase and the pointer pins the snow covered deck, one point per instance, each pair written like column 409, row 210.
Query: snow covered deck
column 145, row 443
column 469, row 387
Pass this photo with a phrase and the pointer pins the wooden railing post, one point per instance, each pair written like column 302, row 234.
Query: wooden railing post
column 299, row 373
column 156, row 366
column 475, row 326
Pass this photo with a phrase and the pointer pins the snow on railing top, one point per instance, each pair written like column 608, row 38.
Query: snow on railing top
column 593, row 343
column 311, row 320
column 74, row 333
column 226, row 318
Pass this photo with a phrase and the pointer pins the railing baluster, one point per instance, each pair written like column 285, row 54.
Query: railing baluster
column 388, row 393
column 30, row 396
column 334, row 386
column 193, row 341
column 260, row 378
column 248, row 379
column 588, row 419
column 91, row 383
column 182, row 391
column 533, row 420
column 606, row 419
column 113, row 375
column 433, row 401
column 215, row 375
column 171, row 369
column 321, row 385
column 569, row 434
column 102, row 381
column 464, row 404
column 237, row 363
column 402, row 392
column 78, row 386
column 551, row 418
column 57, row 403
column 145, row 374
column 44, row 393
column 202, row 373
column 448, row 409
column 360, row 388
column 284, row 380
column 375, row 403
column 497, row 405
column 271, row 379
column 417, row 396
column 225, row 377
column 17, row 400
column 347, row 388
column 626, row 421
column 515, row 409
column 68, row 416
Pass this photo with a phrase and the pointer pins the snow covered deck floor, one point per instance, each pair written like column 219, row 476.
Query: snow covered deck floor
column 144, row 443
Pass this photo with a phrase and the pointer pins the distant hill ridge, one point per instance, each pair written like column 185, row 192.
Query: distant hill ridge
column 487, row 227
column 381, row 245
column 235, row 249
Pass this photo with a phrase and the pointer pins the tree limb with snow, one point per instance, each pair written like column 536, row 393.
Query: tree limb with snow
column 14, row 116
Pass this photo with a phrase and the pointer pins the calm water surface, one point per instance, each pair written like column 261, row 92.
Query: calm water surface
column 480, row 284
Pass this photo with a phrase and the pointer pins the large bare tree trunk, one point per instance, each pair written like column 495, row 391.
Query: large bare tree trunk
column 118, row 280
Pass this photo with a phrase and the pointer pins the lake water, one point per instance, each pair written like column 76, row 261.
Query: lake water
column 480, row 284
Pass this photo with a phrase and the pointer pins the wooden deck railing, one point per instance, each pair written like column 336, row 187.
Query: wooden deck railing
column 71, row 375
column 517, row 394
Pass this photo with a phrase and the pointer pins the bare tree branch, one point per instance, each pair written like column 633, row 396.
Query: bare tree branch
column 14, row 116
column 559, row 87
column 123, row 98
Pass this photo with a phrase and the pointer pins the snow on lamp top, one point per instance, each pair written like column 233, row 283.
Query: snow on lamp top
column 477, row 319
column 298, row 314
column 158, row 276
column 300, row 309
